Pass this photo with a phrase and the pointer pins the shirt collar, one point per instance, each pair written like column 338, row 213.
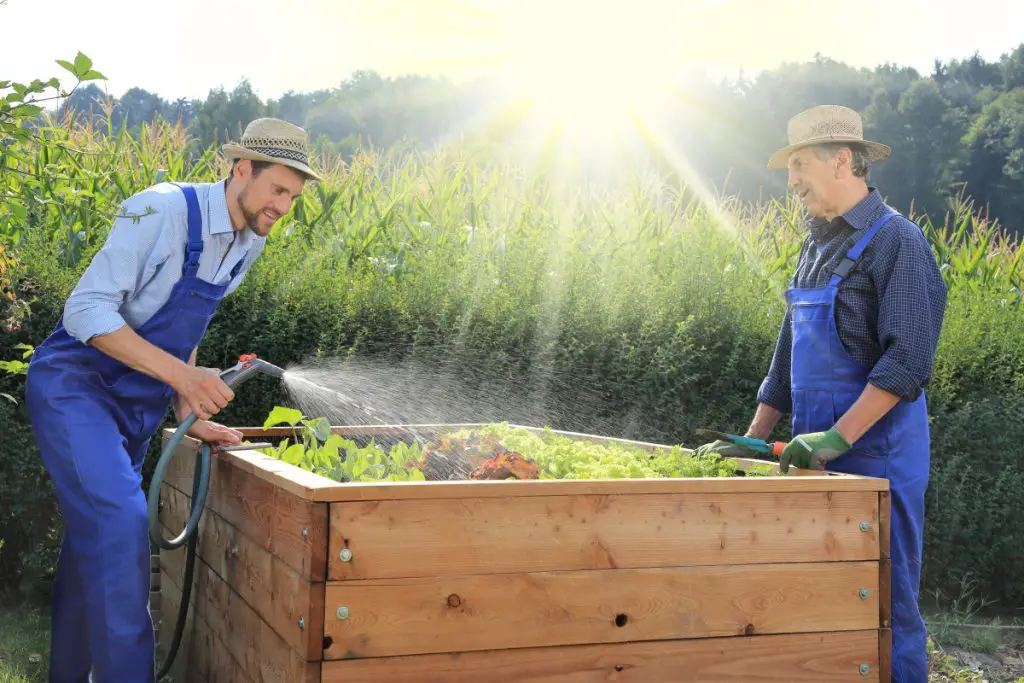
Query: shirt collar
column 220, row 219
column 866, row 211
column 859, row 217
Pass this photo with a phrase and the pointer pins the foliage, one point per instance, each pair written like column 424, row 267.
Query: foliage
column 334, row 457
column 491, row 290
column 563, row 457
column 558, row 456
column 955, row 131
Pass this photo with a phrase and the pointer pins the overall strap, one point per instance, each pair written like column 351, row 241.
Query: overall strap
column 195, row 232
column 850, row 260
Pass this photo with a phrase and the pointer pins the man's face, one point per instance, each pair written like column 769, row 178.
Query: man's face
column 267, row 196
column 813, row 181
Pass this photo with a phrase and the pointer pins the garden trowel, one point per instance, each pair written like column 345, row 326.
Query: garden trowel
column 758, row 445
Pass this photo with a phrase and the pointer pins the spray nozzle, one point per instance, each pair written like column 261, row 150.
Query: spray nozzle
column 247, row 366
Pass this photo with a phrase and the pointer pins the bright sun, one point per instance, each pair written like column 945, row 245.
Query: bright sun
column 590, row 68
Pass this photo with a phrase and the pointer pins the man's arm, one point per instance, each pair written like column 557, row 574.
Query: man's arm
column 774, row 397
column 765, row 419
column 871, row 407
column 125, row 345
column 133, row 250
column 180, row 406
column 911, row 307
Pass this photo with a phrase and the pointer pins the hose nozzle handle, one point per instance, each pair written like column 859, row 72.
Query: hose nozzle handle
column 247, row 366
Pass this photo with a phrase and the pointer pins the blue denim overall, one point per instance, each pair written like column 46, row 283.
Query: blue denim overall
column 93, row 419
column 826, row 382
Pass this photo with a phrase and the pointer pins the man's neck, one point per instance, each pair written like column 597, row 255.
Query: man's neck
column 853, row 196
column 234, row 210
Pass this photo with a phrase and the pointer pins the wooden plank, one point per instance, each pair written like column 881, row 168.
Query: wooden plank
column 292, row 479
column 260, row 653
column 287, row 526
column 389, row 617
column 807, row 658
column 291, row 605
column 406, row 538
column 207, row 659
column 885, row 587
column 192, row 662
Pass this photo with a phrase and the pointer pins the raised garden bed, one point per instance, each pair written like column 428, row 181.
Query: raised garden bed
column 303, row 579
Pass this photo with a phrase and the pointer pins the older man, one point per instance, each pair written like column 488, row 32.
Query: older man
column 857, row 346
column 100, row 385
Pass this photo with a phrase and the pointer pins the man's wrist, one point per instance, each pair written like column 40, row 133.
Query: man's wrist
column 838, row 435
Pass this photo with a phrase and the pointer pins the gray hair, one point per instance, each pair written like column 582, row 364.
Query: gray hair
column 860, row 164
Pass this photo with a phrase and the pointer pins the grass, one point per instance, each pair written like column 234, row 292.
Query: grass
column 24, row 643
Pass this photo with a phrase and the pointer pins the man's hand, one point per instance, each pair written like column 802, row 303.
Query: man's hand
column 213, row 433
column 201, row 390
column 814, row 450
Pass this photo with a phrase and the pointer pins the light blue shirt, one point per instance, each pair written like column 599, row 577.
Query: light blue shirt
column 132, row 275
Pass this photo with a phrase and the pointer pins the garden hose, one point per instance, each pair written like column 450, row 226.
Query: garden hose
column 247, row 367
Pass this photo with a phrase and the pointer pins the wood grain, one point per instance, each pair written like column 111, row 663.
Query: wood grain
column 390, row 617
column 259, row 652
column 202, row 657
column 800, row 658
column 408, row 538
column 287, row 526
column 885, row 587
column 291, row 605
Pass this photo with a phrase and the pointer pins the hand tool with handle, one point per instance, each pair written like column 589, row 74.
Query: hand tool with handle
column 758, row 445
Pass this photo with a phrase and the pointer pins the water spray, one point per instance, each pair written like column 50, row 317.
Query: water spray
column 248, row 366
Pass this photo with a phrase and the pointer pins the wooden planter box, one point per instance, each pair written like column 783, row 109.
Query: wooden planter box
column 300, row 579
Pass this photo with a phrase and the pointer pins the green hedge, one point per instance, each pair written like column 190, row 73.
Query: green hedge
column 457, row 291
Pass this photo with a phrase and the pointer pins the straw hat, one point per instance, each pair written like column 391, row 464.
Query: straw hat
column 823, row 124
column 273, row 140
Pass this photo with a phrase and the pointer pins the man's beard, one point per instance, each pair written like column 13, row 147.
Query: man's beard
column 251, row 217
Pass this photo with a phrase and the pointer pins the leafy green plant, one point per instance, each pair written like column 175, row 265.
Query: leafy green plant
column 16, row 367
column 316, row 449
column 563, row 457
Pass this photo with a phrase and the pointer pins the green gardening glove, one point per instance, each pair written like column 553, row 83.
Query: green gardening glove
column 813, row 451
column 727, row 449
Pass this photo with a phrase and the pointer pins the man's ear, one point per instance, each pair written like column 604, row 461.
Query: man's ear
column 242, row 169
column 843, row 159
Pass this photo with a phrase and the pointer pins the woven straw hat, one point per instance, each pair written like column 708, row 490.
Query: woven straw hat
column 273, row 140
column 823, row 124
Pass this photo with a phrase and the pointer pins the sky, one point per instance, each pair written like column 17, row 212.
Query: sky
column 187, row 48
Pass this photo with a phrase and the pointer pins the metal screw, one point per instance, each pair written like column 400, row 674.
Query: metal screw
column 864, row 669
column 865, row 526
column 305, row 532
column 302, row 623
column 345, row 554
column 233, row 549
column 864, row 593
column 343, row 612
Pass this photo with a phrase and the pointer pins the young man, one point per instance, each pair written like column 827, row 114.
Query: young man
column 857, row 346
column 99, row 387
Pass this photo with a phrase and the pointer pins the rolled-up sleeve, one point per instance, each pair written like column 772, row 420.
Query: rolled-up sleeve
column 911, row 306
column 132, row 248
column 775, row 389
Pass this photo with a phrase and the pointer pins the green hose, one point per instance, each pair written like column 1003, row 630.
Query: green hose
column 200, row 487
column 247, row 367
